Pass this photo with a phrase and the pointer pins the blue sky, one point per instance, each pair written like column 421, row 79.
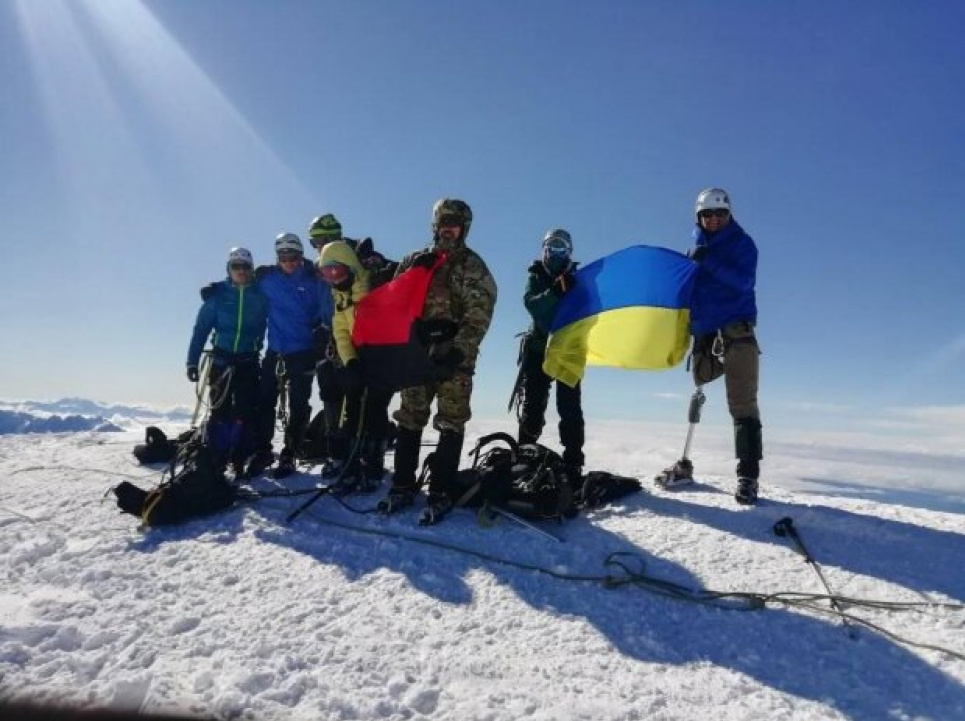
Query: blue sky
column 142, row 139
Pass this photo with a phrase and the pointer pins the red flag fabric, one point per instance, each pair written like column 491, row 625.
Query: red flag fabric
column 384, row 333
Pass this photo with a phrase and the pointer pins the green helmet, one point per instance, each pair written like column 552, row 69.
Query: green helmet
column 325, row 228
column 452, row 208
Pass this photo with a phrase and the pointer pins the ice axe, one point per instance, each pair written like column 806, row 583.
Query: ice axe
column 785, row 529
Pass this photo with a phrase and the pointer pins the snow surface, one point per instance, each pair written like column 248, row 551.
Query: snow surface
column 241, row 616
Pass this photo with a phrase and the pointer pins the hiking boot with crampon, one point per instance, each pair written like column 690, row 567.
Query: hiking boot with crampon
column 437, row 507
column 399, row 498
column 333, row 468
column 679, row 474
column 357, row 482
column 258, row 463
column 746, row 493
column 285, row 468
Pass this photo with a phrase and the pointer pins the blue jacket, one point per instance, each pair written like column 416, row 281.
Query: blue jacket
column 724, row 287
column 295, row 306
column 237, row 315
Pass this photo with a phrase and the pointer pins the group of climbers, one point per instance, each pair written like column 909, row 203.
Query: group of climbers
column 309, row 311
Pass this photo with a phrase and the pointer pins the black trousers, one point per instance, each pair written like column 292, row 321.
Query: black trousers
column 233, row 421
column 536, row 390
column 296, row 371
column 366, row 418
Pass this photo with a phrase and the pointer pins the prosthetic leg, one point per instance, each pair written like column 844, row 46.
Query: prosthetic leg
column 682, row 472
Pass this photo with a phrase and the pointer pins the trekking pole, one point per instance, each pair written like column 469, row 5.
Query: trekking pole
column 333, row 486
column 201, row 386
column 785, row 529
column 497, row 511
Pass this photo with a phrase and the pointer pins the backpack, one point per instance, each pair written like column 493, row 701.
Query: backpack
column 199, row 488
column 157, row 447
column 529, row 481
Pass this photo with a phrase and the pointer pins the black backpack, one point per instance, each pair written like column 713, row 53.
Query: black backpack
column 157, row 447
column 528, row 480
column 197, row 487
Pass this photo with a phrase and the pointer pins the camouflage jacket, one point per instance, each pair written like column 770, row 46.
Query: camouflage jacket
column 462, row 290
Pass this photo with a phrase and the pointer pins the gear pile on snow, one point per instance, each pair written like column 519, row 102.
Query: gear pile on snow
column 531, row 481
column 197, row 487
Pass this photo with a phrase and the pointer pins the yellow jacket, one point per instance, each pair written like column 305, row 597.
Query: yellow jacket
column 343, row 320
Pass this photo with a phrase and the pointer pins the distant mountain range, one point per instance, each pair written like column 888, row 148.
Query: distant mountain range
column 80, row 414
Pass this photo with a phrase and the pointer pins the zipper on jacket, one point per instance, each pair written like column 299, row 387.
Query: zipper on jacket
column 241, row 308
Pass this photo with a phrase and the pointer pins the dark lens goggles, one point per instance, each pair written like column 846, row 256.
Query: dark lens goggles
column 239, row 266
column 715, row 213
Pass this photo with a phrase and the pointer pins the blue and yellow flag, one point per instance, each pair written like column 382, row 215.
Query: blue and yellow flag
column 630, row 309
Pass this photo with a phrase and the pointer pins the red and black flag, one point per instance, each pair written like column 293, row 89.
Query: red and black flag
column 388, row 333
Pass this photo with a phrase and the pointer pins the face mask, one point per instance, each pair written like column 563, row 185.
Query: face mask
column 556, row 258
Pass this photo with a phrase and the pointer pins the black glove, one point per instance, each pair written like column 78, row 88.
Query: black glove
column 563, row 284
column 193, row 374
column 425, row 259
column 445, row 365
column 698, row 253
column 352, row 378
column 208, row 290
column 437, row 330
column 262, row 270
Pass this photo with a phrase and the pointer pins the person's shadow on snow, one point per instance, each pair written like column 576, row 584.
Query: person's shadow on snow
column 794, row 653
column 923, row 559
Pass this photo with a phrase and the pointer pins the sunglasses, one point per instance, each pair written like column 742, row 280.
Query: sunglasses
column 289, row 257
column 450, row 221
column 717, row 213
column 334, row 273
column 239, row 266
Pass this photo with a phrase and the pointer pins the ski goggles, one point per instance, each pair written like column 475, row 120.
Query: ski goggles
column 557, row 248
column 715, row 213
column 289, row 256
column 335, row 273
column 239, row 266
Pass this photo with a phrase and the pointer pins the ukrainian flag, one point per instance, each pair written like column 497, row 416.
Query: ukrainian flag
column 627, row 310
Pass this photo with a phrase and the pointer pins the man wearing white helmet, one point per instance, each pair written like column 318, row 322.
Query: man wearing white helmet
column 236, row 312
column 722, row 321
column 295, row 311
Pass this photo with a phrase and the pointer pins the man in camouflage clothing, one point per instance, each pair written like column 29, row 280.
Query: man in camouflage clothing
column 462, row 292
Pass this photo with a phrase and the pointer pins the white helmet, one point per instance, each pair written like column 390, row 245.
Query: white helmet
column 288, row 242
column 712, row 199
column 240, row 255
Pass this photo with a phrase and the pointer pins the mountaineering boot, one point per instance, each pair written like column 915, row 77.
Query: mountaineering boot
column 258, row 463
column 746, row 493
column 443, row 466
column 437, row 506
column 399, row 498
column 748, row 447
column 373, row 464
column 408, row 444
column 679, row 474
column 285, row 467
column 573, row 476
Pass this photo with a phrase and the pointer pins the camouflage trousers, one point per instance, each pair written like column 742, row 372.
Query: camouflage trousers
column 452, row 405
column 734, row 354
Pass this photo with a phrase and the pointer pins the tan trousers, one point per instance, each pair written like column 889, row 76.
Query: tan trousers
column 734, row 354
